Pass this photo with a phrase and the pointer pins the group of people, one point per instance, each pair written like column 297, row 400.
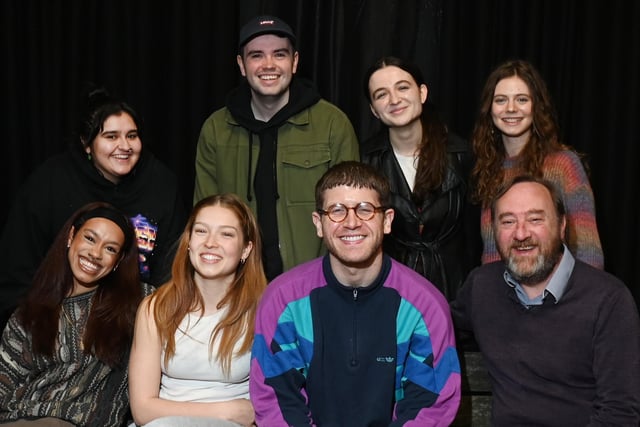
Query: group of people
column 316, row 280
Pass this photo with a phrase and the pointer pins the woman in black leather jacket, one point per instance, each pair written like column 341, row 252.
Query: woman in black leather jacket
column 435, row 230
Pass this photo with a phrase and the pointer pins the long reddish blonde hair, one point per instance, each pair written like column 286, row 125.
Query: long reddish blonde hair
column 180, row 296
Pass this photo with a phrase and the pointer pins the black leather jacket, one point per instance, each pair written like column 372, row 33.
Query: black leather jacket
column 441, row 238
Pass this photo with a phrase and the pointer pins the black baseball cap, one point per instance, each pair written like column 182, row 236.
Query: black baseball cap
column 265, row 24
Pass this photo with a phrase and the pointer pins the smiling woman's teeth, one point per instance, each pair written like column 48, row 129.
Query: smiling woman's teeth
column 88, row 265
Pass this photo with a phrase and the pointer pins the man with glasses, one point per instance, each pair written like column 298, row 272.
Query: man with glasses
column 353, row 338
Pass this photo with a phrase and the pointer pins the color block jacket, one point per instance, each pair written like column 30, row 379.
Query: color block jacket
column 331, row 355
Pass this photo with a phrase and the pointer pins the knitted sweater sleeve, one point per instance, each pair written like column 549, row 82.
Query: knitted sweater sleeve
column 15, row 369
column 616, row 366
column 566, row 171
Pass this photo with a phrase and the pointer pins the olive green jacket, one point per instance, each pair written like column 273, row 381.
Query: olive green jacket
column 309, row 142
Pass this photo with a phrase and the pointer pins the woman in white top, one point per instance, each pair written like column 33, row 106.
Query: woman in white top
column 191, row 351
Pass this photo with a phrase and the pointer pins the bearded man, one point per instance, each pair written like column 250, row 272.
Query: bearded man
column 560, row 339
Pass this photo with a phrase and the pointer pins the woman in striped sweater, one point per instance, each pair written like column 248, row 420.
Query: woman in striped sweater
column 517, row 133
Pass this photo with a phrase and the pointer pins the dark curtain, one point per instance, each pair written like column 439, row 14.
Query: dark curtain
column 174, row 61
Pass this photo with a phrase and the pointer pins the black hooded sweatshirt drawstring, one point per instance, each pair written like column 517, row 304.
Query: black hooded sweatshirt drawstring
column 265, row 184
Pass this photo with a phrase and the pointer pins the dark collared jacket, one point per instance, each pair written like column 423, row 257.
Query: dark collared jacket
column 440, row 239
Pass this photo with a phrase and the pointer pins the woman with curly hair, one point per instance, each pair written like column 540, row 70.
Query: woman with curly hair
column 516, row 133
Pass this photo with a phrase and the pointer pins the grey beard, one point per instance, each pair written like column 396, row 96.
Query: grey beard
column 542, row 270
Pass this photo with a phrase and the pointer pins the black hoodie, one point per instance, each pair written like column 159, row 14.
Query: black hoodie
column 149, row 195
column 302, row 95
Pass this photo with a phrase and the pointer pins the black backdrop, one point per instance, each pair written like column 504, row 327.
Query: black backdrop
column 174, row 61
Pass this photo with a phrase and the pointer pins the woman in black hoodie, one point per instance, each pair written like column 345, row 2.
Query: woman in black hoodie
column 107, row 162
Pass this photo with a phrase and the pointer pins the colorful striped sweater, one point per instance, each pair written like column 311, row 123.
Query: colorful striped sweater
column 566, row 171
column 328, row 354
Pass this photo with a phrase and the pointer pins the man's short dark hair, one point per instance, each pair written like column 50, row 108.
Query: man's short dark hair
column 354, row 174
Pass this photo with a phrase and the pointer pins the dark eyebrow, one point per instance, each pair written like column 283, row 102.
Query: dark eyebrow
column 254, row 51
column 377, row 90
column 98, row 236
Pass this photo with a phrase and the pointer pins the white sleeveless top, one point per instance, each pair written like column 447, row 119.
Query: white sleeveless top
column 192, row 376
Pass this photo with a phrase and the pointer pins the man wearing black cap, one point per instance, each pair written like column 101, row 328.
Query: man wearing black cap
column 272, row 142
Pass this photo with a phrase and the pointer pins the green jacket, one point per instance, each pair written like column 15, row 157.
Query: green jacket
column 308, row 143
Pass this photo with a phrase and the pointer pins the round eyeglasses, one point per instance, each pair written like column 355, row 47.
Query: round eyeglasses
column 338, row 212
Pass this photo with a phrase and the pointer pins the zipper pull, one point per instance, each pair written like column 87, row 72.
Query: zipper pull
column 355, row 294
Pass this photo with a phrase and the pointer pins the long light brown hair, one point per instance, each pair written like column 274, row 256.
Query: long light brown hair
column 180, row 296
column 488, row 173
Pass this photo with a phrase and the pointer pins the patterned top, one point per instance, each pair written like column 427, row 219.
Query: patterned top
column 72, row 385
column 565, row 170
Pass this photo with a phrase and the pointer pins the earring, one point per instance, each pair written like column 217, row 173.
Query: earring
column 89, row 156
column 242, row 261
